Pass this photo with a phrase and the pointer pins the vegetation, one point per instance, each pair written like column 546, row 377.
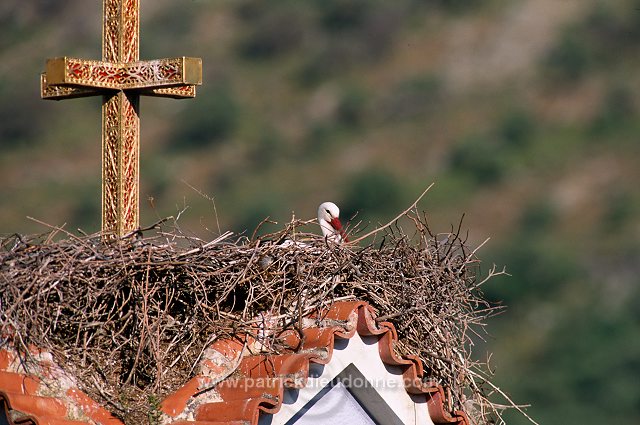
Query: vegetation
column 530, row 132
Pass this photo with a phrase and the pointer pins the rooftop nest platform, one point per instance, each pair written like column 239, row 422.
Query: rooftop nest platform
column 130, row 319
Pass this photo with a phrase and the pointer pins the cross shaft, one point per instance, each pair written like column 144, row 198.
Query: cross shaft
column 120, row 78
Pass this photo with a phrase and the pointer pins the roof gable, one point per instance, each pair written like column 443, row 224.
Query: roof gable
column 260, row 382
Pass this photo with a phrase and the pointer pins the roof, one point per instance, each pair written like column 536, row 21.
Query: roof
column 219, row 394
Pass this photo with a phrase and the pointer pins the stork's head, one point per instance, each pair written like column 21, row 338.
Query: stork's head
column 329, row 220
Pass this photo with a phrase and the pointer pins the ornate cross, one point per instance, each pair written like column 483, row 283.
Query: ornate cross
column 120, row 78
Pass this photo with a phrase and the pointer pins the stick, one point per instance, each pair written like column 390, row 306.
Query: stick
column 209, row 198
column 412, row 206
column 503, row 394
column 56, row 228
column 144, row 229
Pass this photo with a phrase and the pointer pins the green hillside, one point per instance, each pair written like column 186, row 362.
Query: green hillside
column 523, row 112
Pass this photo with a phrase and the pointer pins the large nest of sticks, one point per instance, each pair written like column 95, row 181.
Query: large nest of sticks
column 130, row 319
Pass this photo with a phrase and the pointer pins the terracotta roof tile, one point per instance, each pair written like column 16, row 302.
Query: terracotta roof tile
column 18, row 383
column 21, row 409
column 246, row 410
column 5, row 359
column 293, row 369
column 40, row 397
column 225, row 391
column 177, row 402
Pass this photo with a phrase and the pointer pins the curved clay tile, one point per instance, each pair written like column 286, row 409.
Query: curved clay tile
column 26, row 400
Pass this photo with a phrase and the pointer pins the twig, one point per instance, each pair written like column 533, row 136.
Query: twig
column 412, row 206
column 56, row 229
column 210, row 198
column 512, row 404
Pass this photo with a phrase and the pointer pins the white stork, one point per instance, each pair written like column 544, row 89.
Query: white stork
column 329, row 220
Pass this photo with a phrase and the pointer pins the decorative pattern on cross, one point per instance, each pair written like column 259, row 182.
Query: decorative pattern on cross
column 120, row 78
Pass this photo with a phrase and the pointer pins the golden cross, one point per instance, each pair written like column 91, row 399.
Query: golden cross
column 120, row 78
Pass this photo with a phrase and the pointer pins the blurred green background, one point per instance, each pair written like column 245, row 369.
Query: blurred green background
column 523, row 112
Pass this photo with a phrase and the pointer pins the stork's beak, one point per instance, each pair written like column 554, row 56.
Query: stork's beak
column 337, row 225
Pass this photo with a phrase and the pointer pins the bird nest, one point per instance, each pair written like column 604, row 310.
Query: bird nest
column 130, row 319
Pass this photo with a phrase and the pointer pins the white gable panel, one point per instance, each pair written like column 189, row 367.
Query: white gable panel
column 336, row 407
column 386, row 380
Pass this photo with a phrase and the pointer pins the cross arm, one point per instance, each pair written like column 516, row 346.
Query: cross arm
column 70, row 77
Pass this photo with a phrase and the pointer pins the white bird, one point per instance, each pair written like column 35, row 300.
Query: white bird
column 329, row 220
